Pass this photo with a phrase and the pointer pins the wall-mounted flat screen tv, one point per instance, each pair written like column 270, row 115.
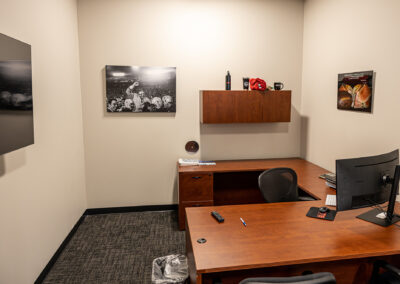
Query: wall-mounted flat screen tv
column 16, row 108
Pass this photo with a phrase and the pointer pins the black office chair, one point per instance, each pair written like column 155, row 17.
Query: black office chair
column 317, row 278
column 389, row 275
column 279, row 185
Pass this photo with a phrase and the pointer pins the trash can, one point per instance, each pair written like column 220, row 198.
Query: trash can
column 170, row 269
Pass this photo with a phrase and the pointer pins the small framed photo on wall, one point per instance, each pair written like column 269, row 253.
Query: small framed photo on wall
column 355, row 91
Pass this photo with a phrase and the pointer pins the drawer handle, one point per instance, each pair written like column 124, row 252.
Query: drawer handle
column 196, row 205
column 196, row 177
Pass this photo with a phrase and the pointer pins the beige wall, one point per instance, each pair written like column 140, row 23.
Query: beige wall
column 42, row 187
column 131, row 158
column 346, row 36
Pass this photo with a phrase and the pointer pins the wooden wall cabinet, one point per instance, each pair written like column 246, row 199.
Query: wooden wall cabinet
column 245, row 106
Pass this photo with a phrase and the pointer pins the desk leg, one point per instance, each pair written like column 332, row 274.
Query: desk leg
column 199, row 278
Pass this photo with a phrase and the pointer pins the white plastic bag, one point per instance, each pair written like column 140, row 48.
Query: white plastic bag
column 170, row 269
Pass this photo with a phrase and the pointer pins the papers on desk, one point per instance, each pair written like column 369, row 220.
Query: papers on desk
column 332, row 185
column 330, row 179
column 194, row 162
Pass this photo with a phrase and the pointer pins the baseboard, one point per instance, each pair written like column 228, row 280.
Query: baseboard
column 94, row 211
column 107, row 210
column 57, row 254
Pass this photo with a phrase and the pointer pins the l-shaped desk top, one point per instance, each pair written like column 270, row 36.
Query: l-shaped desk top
column 280, row 234
column 307, row 173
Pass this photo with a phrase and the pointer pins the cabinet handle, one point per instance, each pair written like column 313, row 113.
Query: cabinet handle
column 196, row 205
column 196, row 177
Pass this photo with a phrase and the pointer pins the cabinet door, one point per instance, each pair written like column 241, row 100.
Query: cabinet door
column 247, row 107
column 231, row 107
column 276, row 106
column 195, row 187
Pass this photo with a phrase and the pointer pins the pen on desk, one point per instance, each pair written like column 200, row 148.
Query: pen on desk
column 244, row 223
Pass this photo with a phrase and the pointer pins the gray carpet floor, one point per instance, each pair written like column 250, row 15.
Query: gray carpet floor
column 118, row 248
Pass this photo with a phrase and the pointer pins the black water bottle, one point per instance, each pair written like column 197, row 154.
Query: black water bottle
column 228, row 82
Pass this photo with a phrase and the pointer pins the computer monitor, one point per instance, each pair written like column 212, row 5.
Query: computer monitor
column 367, row 181
column 359, row 181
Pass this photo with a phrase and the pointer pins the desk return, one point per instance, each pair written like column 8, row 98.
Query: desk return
column 235, row 182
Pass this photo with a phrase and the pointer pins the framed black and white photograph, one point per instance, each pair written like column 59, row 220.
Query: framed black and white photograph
column 140, row 89
column 15, row 85
column 16, row 95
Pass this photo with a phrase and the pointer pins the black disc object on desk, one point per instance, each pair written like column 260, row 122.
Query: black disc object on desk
column 192, row 146
column 201, row 241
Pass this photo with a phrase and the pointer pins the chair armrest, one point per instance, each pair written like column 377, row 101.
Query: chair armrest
column 317, row 278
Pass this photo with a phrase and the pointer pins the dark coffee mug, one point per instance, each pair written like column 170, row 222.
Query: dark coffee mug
column 245, row 83
column 278, row 86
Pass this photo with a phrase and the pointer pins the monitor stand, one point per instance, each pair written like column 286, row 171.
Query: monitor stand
column 389, row 217
column 370, row 216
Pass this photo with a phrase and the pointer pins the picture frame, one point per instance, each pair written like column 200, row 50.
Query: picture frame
column 355, row 91
column 140, row 89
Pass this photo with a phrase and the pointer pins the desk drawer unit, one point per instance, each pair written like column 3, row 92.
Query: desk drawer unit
column 195, row 189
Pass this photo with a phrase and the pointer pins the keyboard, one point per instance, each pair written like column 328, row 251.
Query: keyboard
column 330, row 200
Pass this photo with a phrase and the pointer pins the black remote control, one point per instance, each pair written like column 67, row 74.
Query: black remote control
column 217, row 217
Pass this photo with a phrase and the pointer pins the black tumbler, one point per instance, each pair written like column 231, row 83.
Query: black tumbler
column 245, row 83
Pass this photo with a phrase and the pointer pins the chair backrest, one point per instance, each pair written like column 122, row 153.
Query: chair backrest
column 317, row 278
column 278, row 185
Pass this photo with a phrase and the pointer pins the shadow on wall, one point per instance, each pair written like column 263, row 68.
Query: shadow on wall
column 127, row 114
column 2, row 166
column 304, row 136
column 241, row 141
column 15, row 160
column 175, row 189
column 271, row 138
column 245, row 128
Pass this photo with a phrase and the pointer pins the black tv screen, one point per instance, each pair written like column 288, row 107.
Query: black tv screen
column 16, row 108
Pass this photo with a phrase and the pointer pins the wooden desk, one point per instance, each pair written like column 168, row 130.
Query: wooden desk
column 280, row 240
column 236, row 182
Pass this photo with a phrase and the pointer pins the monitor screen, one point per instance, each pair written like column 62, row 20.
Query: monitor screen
column 16, row 108
column 359, row 181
